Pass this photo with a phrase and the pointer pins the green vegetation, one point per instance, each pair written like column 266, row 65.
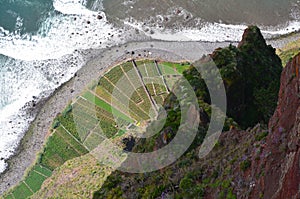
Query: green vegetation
column 261, row 136
column 251, row 75
column 31, row 184
column 102, row 104
column 92, row 118
column 245, row 165
column 22, row 191
column 289, row 51
column 42, row 170
column 169, row 68
column 35, row 181
column 60, row 148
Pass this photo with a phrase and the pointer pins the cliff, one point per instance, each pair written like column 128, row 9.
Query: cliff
column 260, row 162
column 282, row 168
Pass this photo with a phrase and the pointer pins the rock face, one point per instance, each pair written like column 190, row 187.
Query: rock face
column 282, row 168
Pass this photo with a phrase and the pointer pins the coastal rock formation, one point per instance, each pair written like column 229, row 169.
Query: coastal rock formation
column 251, row 74
column 282, row 168
column 260, row 162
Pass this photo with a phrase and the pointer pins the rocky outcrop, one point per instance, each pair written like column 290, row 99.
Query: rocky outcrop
column 251, row 74
column 282, row 167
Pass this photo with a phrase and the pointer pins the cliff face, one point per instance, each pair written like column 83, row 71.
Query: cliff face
column 264, row 163
column 260, row 162
column 282, row 167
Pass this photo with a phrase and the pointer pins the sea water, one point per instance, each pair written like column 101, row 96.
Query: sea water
column 205, row 20
column 40, row 39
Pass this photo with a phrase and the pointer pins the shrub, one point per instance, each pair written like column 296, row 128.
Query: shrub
column 186, row 183
column 245, row 165
column 55, row 124
column 261, row 136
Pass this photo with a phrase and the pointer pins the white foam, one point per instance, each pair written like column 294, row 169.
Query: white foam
column 39, row 63
column 20, row 81
column 210, row 32
column 71, row 7
column 76, row 28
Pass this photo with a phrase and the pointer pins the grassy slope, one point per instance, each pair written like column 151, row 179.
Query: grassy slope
column 191, row 177
column 77, row 177
column 289, row 51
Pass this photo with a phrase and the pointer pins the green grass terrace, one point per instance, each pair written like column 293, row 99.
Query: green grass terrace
column 121, row 99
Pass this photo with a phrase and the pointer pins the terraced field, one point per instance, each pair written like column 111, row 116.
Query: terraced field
column 125, row 97
column 32, row 183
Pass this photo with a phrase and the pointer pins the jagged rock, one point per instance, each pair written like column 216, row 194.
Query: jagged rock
column 283, row 182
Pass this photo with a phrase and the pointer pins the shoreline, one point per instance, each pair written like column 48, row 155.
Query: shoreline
column 34, row 138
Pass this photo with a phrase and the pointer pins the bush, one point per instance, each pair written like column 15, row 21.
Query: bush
column 55, row 124
column 245, row 165
column 189, row 189
column 261, row 136
column 186, row 183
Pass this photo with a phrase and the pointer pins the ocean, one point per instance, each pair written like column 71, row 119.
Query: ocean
column 41, row 41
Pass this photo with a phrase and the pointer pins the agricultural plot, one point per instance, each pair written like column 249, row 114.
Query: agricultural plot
column 108, row 98
column 168, row 68
column 125, row 101
column 101, row 92
column 158, row 83
column 84, row 119
column 171, row 81
column 158, row 100
column 94, row 139
column 125, row 87
column 150, row 89
column 73, row 143
column 130, row 87
column 35, row 181
column 134, row 78
column 31, row 184
column 127, row 66
column 120, row 132
column 141, row 113
column 9, row 196
column 59, row 149
column 151, row 69
column 146, row 103
column 159, row 87
column 22, row 191
column 134, row 111
column 102, row 104
column 135, row 97
column 105, row 83
column 121, row 98
column 109, row 129
column 85, row 106
column 115, row 74
column 142, row 69
column 42, row 170
column 82, row 116
column 67, row 120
